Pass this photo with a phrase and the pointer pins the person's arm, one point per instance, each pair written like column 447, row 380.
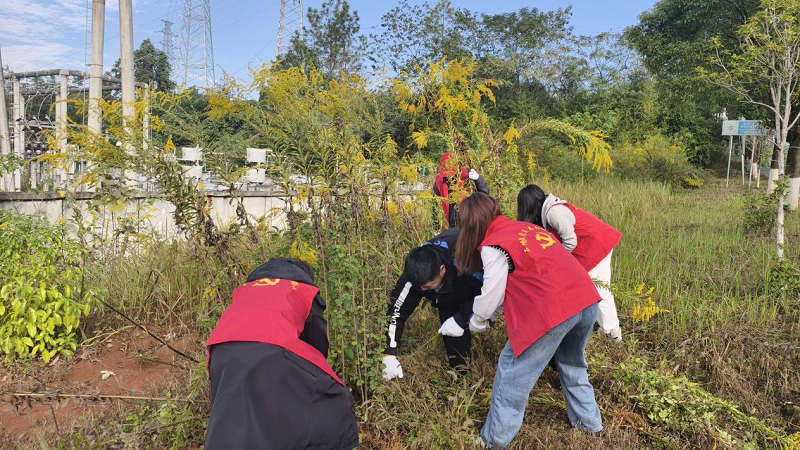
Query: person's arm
column 315, row 330
column 495, row 277
column 481, row 185
column 465, row 310
column 403, row 300
column 562, row 221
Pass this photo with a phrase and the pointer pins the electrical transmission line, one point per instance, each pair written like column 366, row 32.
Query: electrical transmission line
column 168, row 44
column 291, row 22
column 196, row 53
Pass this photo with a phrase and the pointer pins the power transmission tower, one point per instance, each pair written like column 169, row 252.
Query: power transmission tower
column 291, row 21
column 168, row 44
column 196, row 54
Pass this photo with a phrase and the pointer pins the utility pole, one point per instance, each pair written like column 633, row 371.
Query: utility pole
column 126, row 74
column 5, row 145
column 61, row 126
column 96, row 66
column 196, row 52
column 19, row 135
column 291, row 21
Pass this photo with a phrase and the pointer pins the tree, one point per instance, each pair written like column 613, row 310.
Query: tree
column 673, row 39
column 768, row 60
column 299, row 55
column 333, row 37
column 413, row 36
column 150, row 66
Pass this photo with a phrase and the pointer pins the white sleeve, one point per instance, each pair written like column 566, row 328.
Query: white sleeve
column 563, row 222
column 495, row 276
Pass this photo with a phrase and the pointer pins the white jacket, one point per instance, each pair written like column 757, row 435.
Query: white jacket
column 560, row 220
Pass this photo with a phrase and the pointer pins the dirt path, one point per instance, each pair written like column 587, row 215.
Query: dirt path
column 131, row 362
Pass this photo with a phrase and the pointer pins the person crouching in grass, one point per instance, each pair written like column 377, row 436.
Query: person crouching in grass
column 271, row 385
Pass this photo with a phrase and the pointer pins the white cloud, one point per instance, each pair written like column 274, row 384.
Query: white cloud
column 50, row 34
column 38, row 34
column 26, row 57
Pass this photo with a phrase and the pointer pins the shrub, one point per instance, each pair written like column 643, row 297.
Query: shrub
column 784, row 278
column 566, row 165
column 657, row 159
column 759, row 213
column 41, row 298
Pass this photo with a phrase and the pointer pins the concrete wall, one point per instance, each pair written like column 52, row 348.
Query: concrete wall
column 149, row 212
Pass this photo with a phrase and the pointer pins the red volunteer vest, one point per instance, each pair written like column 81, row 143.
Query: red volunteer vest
column 547, row 287
column 596, row 238
column 272, row 311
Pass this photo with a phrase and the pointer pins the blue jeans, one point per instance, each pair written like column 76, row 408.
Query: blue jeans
column 516, row 377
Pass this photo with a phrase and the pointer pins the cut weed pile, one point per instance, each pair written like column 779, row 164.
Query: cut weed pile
column 718, row 366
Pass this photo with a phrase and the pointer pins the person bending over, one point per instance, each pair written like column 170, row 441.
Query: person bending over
column 590, row 240
column 271, row 385
column 430, row 273
column 550, row 305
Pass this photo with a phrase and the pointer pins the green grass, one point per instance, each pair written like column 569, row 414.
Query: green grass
column 691, row 246
column 735, row 344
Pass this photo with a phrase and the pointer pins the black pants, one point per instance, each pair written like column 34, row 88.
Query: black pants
column 457, row 348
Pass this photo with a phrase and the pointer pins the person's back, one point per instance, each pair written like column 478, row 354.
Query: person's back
column 271, row 386
column 590, row 240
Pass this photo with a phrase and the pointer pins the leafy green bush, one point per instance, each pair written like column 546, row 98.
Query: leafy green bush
column 41, row 298
column 784, row 278
column 760, row 214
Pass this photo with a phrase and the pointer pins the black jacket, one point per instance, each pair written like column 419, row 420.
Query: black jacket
column 266, row 397
column 456, row 294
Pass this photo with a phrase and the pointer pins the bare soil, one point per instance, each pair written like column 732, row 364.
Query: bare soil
column 136, row 365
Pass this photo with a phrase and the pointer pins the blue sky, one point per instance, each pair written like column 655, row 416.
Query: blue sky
column 48, row 34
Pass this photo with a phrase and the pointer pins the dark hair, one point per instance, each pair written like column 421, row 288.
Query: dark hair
column 476, row 212
column 529, row 204
column 422, row 265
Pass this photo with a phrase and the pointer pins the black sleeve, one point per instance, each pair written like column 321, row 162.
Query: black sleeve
column 403, row 300
column 315, row 331
column 465, row 310
column 481, row 185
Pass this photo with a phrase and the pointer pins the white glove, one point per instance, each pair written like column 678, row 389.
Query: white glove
column 391, row 367
column 615, row 334
column 451, row 328
column 496, row 314
column 473, row 175
column 477, row 326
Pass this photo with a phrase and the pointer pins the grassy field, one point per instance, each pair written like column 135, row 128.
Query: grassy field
column 718, row 367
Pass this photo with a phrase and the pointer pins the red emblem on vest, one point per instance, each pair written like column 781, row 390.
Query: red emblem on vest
column 548, row 285
column 272, row 311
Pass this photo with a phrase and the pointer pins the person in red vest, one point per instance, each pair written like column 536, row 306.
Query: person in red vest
column 590, row 240
column 550, row 305
column 271, row 385
column 452, row 178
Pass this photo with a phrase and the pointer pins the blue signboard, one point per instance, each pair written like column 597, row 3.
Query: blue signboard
column 743, row 128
